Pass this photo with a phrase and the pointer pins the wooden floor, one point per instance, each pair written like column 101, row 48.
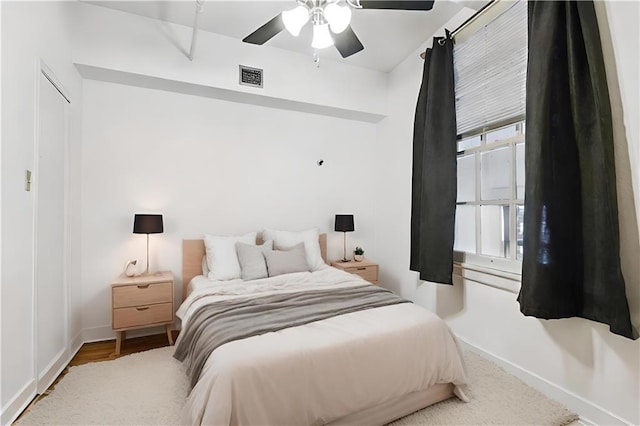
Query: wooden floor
column 105, row 351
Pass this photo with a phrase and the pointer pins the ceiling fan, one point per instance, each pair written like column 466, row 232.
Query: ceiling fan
column 331, row 21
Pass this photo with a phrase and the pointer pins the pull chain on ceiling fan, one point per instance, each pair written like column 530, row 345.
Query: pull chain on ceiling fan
column 331, row 21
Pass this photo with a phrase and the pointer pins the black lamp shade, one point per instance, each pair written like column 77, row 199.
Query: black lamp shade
column 147, row 224
column 344, row 223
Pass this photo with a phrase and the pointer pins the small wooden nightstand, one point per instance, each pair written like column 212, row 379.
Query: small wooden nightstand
column 140, row 302
column 366, row 269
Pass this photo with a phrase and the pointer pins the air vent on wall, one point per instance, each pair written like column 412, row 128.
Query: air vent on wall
column 250, row 76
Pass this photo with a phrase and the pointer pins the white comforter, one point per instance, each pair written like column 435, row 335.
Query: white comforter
column 322, row 371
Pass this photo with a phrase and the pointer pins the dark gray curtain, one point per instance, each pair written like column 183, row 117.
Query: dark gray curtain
column 434, row 183
column 571, row 261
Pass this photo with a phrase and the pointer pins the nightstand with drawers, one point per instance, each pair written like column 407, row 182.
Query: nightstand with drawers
column 366, row 269
column 141, row 302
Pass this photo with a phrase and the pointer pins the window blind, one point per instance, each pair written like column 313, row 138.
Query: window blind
column 490, row 72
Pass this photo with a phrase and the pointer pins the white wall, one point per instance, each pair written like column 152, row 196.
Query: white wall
column 577, row 361
column 29, row 31
column 209, row 166
column 625, row 37
column 202, row 161
column 115, row 40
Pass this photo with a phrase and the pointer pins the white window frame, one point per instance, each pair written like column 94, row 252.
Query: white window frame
column 509, row 265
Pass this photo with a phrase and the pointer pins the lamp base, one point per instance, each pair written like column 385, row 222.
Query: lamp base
column 343, row 260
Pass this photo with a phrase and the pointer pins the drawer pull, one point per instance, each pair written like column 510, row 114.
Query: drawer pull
column 141, row 308
column 362, row 269
column 143, row 286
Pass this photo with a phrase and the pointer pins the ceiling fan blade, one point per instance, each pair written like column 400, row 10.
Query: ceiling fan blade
column 397, row 4
column 347, row 42
column 266, row 32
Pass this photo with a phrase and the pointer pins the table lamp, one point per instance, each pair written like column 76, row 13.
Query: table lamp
column 344, row 223
column 147, row 224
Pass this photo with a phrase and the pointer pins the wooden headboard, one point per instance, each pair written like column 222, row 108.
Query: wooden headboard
column 193, row 251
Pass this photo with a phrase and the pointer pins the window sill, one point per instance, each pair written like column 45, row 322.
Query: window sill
column 491, row 277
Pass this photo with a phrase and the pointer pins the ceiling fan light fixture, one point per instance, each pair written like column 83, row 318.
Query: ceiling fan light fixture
column 321, row 36
column 295, row 19
column 338, row 16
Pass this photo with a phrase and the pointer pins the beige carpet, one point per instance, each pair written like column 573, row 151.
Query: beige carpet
column 150, row 387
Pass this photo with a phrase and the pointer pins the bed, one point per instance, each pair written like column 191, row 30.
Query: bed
column 369, row 366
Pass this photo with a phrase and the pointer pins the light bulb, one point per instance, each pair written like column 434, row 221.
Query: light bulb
column 321, row 36
column 295, row 19
column 338, row 17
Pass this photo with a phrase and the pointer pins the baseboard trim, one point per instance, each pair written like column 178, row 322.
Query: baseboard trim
column 75, row 345
column 18, row 403
column 53, row 370
column 101, row 334
column 589, row 412
column 97, row 334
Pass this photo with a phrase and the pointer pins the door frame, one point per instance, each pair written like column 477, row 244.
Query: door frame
column 60, row 360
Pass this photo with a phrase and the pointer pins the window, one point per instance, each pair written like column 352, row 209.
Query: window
column 490, row 61
column 490, row 202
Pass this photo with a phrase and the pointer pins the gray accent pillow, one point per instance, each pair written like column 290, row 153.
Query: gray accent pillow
column 252, row 263
column 287, row 261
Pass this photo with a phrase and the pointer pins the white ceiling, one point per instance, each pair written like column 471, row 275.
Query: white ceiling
column 388, row 35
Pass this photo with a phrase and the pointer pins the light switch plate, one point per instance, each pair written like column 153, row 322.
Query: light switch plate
column 27, row 180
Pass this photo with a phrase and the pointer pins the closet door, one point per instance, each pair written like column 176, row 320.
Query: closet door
column 50, row 233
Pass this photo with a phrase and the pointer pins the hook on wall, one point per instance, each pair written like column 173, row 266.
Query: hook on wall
column 320, row 162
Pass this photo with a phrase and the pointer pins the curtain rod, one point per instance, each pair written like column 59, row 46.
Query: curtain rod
column 468, row 21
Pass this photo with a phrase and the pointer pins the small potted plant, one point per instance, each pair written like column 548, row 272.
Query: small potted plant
column 358, row 254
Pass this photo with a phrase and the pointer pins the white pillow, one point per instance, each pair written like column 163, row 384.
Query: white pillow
column 222, row 259
column 286, row 239
column 205, row 268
